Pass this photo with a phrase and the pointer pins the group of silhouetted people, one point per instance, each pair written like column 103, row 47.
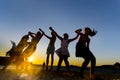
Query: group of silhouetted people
column 25, row 49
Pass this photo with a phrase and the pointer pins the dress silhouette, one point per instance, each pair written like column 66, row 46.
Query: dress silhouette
column 83, row 50
column 63, row 52
column 50, row 48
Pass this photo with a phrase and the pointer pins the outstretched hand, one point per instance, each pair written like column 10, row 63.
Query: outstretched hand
column 78, row 31
column 51, row 28
column 41, row 30
column 29, row 33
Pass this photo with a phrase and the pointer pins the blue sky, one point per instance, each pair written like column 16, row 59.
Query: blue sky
column 17, row 17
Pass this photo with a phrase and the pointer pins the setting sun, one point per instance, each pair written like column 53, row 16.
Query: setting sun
column 30, row 59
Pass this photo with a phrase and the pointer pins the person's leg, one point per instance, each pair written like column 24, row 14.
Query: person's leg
column 66, row 62
column 18, row 61
column 7, row 63
column 84, row 65
column 47, row 61
column 93, row 63
column 52, row 60
column 59, row 62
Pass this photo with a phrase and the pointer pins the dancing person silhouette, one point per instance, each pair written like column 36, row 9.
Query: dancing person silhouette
column 15, row 51
column 83, row 50
column 50, row 48
column 63, row 52
column 32, row 45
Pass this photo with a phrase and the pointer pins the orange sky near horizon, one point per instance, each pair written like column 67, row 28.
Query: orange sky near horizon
column 77, row 61
column 39, row 57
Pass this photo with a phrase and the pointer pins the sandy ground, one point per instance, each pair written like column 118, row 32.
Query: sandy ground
column 37, row 73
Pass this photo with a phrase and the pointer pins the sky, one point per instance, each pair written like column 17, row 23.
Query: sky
column 18, row 17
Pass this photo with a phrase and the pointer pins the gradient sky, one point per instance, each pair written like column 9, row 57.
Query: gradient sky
column 17, row 17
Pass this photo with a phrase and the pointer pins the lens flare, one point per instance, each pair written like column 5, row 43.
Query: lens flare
column 30, row 59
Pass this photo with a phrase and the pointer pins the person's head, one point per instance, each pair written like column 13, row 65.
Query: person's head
column 66, row 36
column 38, row 33
column 89, row 32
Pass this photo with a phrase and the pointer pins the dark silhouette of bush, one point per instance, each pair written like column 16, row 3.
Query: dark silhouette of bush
column 117, row 65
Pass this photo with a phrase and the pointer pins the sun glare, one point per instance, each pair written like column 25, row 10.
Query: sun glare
column 30, row 59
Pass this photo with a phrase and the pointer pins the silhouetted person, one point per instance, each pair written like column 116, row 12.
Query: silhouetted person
column 82, row 50
column 50, row 48
column 43, row 65
column 16, row 51
column 63, row 52
column 32, row 45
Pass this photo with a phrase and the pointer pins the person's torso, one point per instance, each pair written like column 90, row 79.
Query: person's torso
column 84, row 39
column 64, row 43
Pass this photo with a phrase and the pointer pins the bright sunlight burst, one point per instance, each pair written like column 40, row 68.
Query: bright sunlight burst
column 30, row 59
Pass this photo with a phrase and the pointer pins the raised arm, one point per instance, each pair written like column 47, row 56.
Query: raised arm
column 59, row 37
column 44, row 34
column 47, row 36
column 73, row 38
column 78, row 31
column 32, row 34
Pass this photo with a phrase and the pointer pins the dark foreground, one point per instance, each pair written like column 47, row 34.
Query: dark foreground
column 37, row 73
